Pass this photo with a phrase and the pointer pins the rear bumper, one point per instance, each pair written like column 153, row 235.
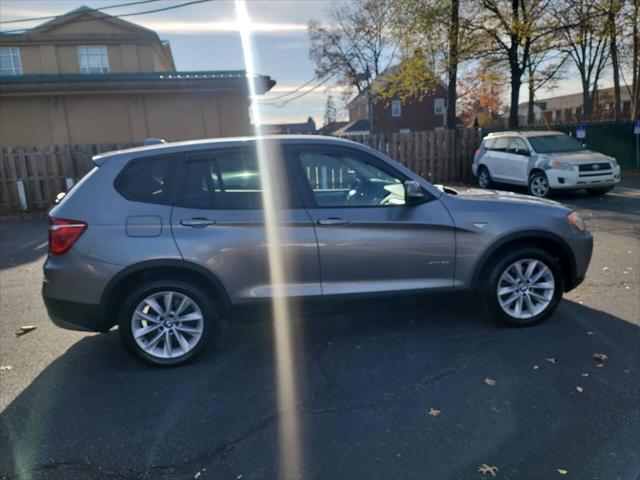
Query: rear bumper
column 563, row 179
column 75, row 316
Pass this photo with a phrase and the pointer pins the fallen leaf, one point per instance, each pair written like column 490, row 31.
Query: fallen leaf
column 585, row 375
column 562, row 471
column 600, row 365
column 197, row 475
column 551, row 360
column 434, row 412
column 24, row 329
column 589, row 333
column 579, row 389
column 239, row 477
column 600, row 356
column 484, row 469
column 605, row 269
column 627, row 371
column 535, row 367
column 4, row 368
column 489, row 381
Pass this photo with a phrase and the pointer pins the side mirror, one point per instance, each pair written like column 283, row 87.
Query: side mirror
column 413, row 191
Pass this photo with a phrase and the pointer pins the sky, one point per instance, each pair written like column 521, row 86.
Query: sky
column 205, row 37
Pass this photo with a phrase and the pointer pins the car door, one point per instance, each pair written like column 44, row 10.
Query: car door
column 369, row 240
column 516, row 164
column 499, row 159
column 219, row 223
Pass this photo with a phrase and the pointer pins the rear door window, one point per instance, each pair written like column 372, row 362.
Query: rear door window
column 147, row 180
column 501, row 144
column 221, row 181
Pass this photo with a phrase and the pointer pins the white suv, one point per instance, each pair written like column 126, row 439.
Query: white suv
column 544, row 161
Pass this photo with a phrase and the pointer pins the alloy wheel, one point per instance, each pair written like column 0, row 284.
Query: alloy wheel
column 540, row 186
column 526, row 288
column 167, row 324
column 483, row 179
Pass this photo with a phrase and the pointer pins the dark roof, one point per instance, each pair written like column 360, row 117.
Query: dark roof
column 331, row 127
column 356, row 126
column 298, row 128
column 143, row 80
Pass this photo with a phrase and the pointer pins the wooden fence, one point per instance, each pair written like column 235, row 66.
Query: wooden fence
column 439, row 156
column 30, row 178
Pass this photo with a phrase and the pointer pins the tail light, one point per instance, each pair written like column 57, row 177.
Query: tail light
column 63, row 233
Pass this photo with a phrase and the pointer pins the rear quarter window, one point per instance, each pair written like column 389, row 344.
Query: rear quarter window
column 147, row 180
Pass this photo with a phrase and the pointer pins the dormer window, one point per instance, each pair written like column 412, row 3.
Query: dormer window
column 10, row 63
column 93, row 59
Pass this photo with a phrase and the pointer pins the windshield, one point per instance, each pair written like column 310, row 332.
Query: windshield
column 555, row 143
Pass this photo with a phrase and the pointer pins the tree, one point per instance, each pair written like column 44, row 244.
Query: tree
column 481, row 92
column 584, row 33
column 543, row 70
column 630, row 52
column 612, row 9
column 452, row 85
column 356, row 46
column 330, row 111
column 514, row 27
column 434, row 42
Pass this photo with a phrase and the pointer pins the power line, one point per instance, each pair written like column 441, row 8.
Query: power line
column 128, row 4
column 268, row 101
column 146, row 12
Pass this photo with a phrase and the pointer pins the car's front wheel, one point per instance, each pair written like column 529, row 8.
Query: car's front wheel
column 525, row 286
column 539, row 185
column 166, row 322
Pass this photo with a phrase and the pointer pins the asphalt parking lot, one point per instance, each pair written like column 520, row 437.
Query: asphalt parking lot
column 532, row 402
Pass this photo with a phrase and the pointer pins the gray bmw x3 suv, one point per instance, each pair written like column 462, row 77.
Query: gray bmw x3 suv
column 160, row 240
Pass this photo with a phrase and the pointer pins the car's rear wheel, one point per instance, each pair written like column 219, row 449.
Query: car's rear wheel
column 525, row 286
column 539, row 185
column 599, row 191
column 166, row 322
column 484, row 177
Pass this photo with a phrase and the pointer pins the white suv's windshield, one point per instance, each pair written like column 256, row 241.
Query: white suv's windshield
column 555, row 143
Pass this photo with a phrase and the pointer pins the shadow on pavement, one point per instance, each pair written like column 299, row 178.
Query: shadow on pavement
column 368, row 377
column 22, row 241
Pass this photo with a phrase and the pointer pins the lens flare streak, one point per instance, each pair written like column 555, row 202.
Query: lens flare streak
column 285, row 371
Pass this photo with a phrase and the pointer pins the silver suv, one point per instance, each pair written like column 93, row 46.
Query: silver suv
column 543, row 161
column 162, row 240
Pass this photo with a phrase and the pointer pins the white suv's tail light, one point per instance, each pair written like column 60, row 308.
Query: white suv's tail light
column 63, row 233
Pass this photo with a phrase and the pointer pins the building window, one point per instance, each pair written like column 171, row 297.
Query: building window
column 396, row 108
column 93, row 59
column 10, row 63
column 438, row 106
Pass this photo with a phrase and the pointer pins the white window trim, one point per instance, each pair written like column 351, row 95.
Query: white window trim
column 85, row 52
column 396, row 108
column 438, row 106
column 16, row 61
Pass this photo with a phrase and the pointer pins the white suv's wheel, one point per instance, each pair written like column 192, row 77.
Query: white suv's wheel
column 484, row 177
column 525, row 286
column 539, row 185
column 165, row 322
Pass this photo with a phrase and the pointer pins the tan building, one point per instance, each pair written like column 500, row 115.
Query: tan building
column 568, row 108
column 87, row 77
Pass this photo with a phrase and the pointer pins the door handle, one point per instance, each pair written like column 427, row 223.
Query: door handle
column 197, row 222
column 333, row 221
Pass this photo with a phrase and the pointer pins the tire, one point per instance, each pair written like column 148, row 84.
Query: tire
column 542, row 300
column 186, row 333
column 484, row 177
column 599, row 191
column 539, row 185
